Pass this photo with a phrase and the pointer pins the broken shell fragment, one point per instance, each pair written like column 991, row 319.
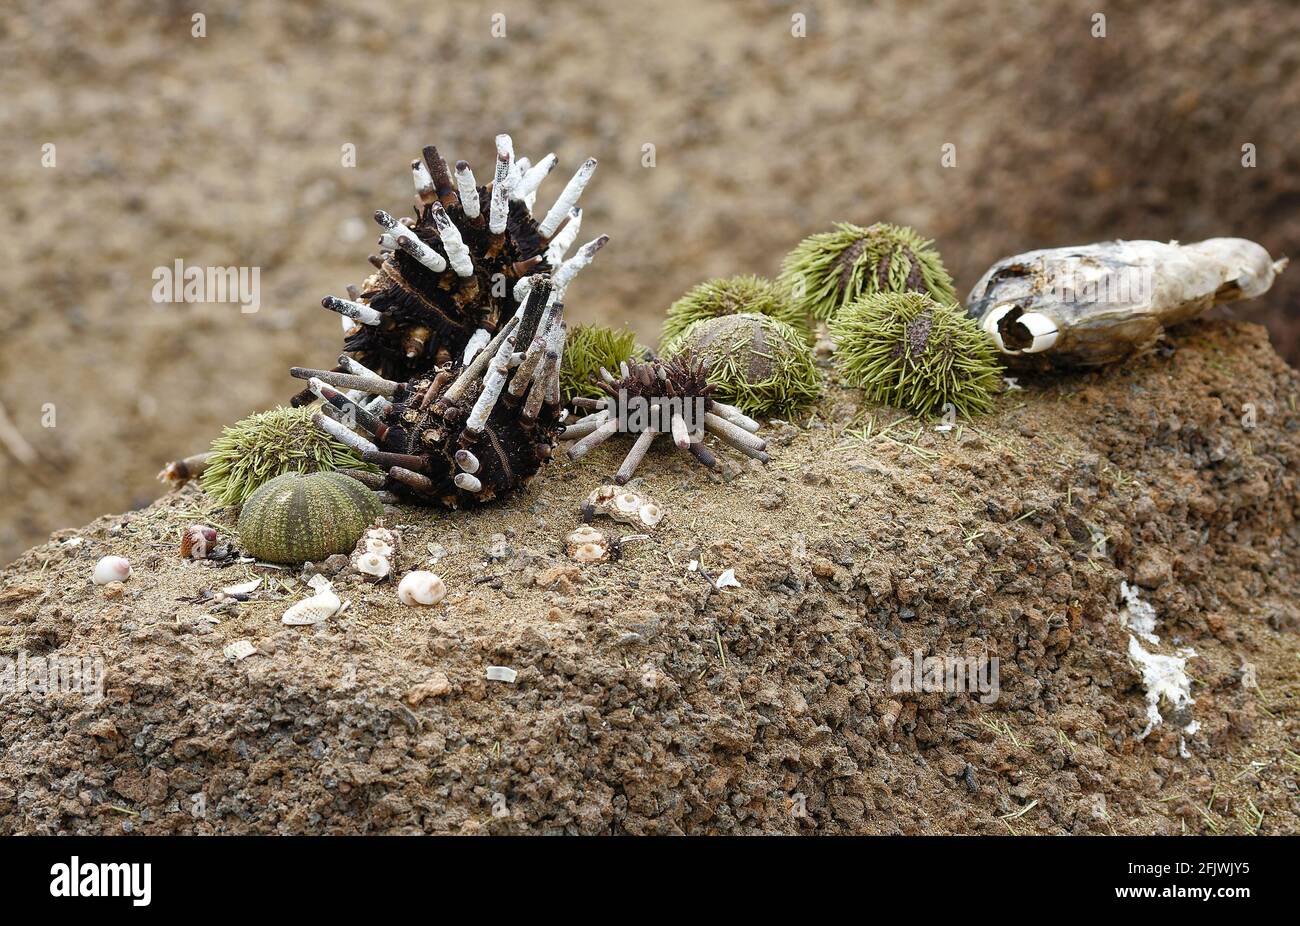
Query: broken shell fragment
column 421, row 587
column 111, row 569
column 1102, row 303
column 376, row 552
column 501, row 674
column 315, row 609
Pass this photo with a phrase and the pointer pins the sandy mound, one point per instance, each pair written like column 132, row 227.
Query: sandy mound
column 648, row 702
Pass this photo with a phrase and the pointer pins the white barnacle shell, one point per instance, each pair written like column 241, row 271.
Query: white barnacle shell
column 313, row 610
column 421, row 587
column 585, row 544
column 626, row 505
column 372, row 564
column 650, row 513
column 111, row 569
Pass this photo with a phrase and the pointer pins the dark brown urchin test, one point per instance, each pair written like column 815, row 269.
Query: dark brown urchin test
column 467, row 431
column 656, row 397
column 450, row 276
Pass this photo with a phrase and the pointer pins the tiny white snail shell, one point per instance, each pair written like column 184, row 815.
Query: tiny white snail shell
column 421, row 587
column 111, row 569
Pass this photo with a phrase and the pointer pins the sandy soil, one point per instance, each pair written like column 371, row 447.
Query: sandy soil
column 226, row 151
column 647, row 702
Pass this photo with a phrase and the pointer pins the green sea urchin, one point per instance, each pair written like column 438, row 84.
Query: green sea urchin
column 733, row 296
column 757, row 363
column 588, row 348
column 832, row 269
column 906, row 350
column 297, row 518
column 270, row 444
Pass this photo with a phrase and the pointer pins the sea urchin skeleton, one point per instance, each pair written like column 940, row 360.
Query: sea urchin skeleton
column 643, row 396
column 466, row 431
column 451, row 276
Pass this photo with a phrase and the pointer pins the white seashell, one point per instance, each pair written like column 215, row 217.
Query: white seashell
column 111, row 569
column 373, row 564
column 501, row 674
column 650, row 514
column 243, row 588
column 421, row 587
column 588, row 553
column 728, row 579
column 377, row 545
column 312, row 610
column 240, row 649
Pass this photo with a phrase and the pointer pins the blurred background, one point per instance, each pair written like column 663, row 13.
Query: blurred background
column 227, row 149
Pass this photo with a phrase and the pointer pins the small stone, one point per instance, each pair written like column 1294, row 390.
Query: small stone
column 435, row 686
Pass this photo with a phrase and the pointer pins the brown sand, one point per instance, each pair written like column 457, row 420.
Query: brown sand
column 646, row 702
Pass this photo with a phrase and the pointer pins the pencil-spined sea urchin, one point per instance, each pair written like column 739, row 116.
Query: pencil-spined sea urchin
column 658, row 397
column 452, row 275
column 465, row 432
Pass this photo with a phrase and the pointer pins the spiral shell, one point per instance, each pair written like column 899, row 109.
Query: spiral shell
column 197, row 540
column 421, row 587
column 295, row 518
column 111, row 569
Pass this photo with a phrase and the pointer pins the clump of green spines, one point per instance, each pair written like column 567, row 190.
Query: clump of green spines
column 830, row 270
column 733, row 296
column 757, row 363
column 269, row 444
column 587, row 348
column 909, row 351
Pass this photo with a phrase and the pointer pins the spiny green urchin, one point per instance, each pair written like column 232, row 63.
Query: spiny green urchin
column 269, row 444
column 587, row 348
column 755, row 362
column 732, row 296
column 906, row 350
column 833, row 269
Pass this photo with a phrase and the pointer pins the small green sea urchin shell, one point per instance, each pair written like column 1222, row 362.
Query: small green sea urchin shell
column 269, row 444
column 832, row 269
column 757, row 363
column 733, row 296
column 588, row 348
column 298, row 518
column 906, row 350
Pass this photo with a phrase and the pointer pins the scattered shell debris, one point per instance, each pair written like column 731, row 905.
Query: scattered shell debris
column 376, row 552
column 111, row 569
column 624, row 505
column 320, row 606
column 501, row 674
column 421, row 587
column 727, row 579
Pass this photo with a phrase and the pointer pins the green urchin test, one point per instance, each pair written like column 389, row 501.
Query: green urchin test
column 911, row 352
column 827, row 271
column 757, row 363
column 298, row 518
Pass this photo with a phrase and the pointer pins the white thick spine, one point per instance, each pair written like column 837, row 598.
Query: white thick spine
column 468, row 483
column 406, row 239
column 468, row 188
column 343, row 434
column 452, row 242
column 493, row 383
column 561, row 243
column 353, row 310
column 532, row 179
column 568, row 198
column 569, row 269
column 477, row 341
column 423, row 180
column 499, row 208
